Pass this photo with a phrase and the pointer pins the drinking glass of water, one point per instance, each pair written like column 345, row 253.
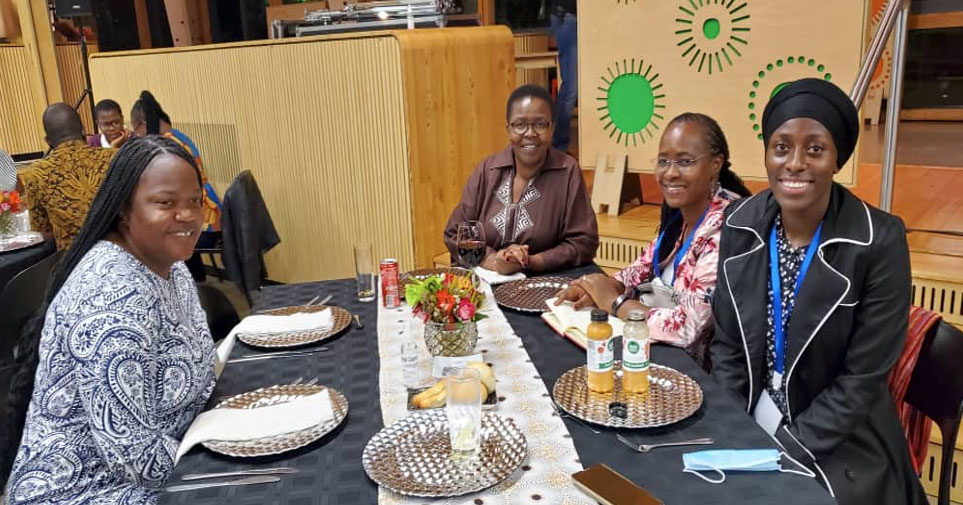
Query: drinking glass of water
column 364, row 272
column 463, row 409
column 470, row 242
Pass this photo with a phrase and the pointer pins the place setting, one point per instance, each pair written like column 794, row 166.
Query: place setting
column 264, row 422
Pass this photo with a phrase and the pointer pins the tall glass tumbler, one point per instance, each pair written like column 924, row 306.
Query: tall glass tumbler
column 364, row 272
column 463, row 408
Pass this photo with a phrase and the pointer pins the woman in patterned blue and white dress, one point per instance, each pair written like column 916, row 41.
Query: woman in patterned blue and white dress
column 125, row 358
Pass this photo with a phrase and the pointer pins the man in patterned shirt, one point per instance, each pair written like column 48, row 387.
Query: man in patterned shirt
column 60, row 187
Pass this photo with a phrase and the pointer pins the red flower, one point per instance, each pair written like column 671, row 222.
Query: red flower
column 446, row 302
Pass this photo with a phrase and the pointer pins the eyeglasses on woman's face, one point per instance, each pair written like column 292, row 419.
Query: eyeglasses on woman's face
column 683, row 164
column 520, row 127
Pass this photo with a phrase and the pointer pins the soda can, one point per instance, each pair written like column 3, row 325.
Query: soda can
column 390, row 291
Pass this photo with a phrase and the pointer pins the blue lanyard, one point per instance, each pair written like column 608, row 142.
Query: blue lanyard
column 776, row 283
column 679, row 255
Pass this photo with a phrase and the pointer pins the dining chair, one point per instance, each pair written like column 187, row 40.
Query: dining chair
column 20, row 298
column 936, row 390
column 248, row 232
column 221, row 314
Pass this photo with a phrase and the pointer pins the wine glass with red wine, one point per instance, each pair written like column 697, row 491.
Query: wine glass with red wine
column 470, row 243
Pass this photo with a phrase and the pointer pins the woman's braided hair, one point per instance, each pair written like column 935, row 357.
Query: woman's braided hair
column 114, row 195
column 728, row 179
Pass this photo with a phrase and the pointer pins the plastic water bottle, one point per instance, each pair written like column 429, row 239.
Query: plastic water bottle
column 410, row 371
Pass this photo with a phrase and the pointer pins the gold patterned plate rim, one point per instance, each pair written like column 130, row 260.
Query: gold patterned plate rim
column 22, row 241
column 529, row 295
column 421, row 273
column 672, row 397
column 278, row 444
column 412, row 456
column 283, row 339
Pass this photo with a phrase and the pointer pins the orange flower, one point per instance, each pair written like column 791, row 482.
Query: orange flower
column 446, row 302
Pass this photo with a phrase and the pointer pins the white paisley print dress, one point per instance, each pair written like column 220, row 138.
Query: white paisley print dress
column 126, row 362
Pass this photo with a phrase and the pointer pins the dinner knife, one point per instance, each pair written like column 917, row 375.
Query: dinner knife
column 239, row 473
column 257, row 479
column 270, row 355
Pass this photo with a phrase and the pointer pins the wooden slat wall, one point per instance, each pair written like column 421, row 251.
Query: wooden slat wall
column 320, row 124
column 531, row 43
column 20, row 128
column 71, row 68
column 351, row 137
column 457, row 82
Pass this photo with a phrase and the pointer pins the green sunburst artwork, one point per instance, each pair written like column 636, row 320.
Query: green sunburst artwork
column 712, row 33
column 630, row 102
column 775, row 76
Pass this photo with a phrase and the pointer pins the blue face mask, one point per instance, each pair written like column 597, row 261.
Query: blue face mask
column 743, row 460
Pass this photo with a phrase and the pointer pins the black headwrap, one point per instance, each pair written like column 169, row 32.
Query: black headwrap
column 820, row 100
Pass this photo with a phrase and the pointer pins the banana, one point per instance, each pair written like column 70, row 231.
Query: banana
column 436, row 395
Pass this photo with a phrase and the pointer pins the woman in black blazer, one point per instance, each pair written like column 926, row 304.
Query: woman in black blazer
column 817, row 382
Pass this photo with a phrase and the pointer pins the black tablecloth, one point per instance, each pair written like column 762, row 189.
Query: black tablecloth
column 331, row 470
column 14, row 262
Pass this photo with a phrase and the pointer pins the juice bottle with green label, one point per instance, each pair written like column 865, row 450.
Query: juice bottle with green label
column 600, row 358
column 635, row 354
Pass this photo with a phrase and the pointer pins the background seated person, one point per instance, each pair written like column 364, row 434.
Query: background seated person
column 59, row 188
column 125, row 360
column 698, row 184
column 813, row 302
column 110, row 121
column 529, row 197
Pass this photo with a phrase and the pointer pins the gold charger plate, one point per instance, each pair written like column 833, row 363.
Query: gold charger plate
column 278, row 444
column 280, row 339
column 413, row 456
column 529, row 295
column 672, row 397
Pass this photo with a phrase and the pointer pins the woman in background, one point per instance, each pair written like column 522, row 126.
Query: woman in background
column 529, row 197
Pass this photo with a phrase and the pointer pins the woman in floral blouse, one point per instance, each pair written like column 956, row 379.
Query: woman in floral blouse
column 125, row 359
column 697, row 183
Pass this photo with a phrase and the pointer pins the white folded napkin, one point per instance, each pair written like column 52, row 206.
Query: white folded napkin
column 580, row 319
column 248, row 424
column 492, row 277
column 321, row 320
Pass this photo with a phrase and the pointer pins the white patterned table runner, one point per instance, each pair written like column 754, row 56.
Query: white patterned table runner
column 545, row 476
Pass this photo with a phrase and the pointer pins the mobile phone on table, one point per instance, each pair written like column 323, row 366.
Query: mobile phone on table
column 609, row 487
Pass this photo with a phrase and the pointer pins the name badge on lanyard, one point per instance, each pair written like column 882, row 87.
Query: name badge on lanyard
column 778, row 322
column 656, row 267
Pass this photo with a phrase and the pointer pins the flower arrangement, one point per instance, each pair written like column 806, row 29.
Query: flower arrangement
column 447, row 299
column 10, row 204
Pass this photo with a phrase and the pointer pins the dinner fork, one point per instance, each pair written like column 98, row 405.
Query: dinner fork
column 648, row 447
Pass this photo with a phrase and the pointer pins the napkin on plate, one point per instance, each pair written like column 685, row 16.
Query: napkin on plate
column 321, row 320
column 571, row 319
column 492, row 277
column 248, row 424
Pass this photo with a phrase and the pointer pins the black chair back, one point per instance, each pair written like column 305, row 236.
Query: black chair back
column 936, row 390
column 248, row 233
column 221, row 314
column 20, row 298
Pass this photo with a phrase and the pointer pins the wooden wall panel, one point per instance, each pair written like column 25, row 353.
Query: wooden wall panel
column 20, row 128
column 456, row 84
column 526, row 44
column 355, row 137
column 326, row 147
column 71, row 67
column 642, row 63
